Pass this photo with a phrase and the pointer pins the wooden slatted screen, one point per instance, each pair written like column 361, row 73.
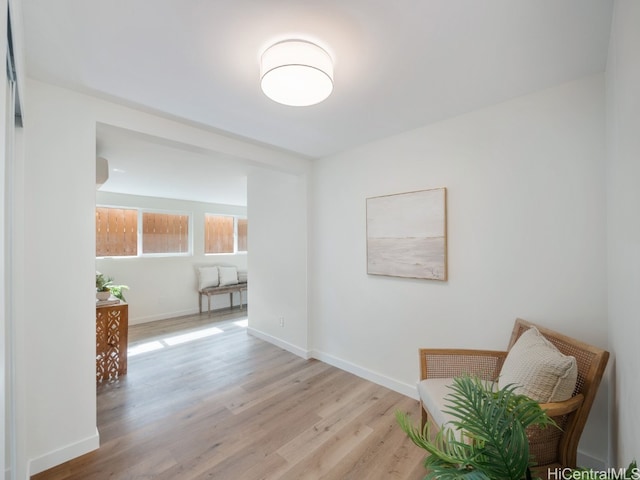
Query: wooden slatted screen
column 165, row 233
column 242, row 234
column 116, row 232
column 218, row 234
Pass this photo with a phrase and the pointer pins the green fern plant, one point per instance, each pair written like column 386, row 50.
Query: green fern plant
column 493, row 425
column 105, row 284
column 116, row 291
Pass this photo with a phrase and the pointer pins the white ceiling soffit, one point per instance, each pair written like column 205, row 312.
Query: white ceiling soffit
column 398, row 64
column 144, row 165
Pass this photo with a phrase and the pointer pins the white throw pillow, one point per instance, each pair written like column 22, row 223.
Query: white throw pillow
column 228, row 276
column 539, row 369
column 207, row 277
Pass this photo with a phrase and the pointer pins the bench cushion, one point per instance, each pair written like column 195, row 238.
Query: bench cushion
column 237, row 287
column 539, row 369
column 432, row 393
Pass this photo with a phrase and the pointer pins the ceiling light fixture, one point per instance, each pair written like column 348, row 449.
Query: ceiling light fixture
column 296, row 73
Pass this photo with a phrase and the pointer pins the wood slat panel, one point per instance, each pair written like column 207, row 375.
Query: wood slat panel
column 149, row 238
column 165, row 233
column 131, row 232
column 116, row 232
column 218, row 234
column 243, row 234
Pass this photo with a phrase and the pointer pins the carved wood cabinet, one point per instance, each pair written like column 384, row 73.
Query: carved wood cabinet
column 112, row 331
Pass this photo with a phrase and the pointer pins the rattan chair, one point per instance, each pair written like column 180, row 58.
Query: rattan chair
column 550, row 447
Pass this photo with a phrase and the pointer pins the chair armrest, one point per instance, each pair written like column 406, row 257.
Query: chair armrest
column 557, row 409
column 447, row 363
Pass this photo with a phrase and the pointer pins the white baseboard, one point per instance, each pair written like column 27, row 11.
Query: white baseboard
column 402, row 388
column 64, row 454
column 584, row 460
column 162, row 316
column 181, row 313
column 301, row 352
column 587, row 461
column 375, row 377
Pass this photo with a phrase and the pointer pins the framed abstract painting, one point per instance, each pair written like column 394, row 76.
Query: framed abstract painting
column 407, row 234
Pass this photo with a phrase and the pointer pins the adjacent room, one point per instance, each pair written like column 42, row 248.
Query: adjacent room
column 431, row 172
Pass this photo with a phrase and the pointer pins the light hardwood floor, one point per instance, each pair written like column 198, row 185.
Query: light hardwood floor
column 230, row 406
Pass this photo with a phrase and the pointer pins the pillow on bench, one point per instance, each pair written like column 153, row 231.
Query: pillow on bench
column 228, row 276
column 208, row 277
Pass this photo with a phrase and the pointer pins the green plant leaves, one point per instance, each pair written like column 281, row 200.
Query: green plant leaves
column 102, row 282
column 116, row 291
column 488, row 438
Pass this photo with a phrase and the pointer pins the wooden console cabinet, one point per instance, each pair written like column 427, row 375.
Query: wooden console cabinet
column 112, row 331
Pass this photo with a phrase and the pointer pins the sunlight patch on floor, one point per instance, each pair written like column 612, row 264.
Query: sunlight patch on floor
column 195, row 335
column 180, row 339
column 144, row 348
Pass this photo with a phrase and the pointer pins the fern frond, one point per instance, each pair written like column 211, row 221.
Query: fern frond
column 498, row 420
column 444, row 446
column 493, row 424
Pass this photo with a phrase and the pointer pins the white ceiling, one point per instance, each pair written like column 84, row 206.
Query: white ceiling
column 154, row 167
column 399, row 64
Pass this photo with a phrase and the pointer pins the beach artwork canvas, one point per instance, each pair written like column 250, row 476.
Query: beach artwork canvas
column 407, row 234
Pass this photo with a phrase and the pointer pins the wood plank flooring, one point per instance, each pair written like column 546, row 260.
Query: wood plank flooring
column 227, row 405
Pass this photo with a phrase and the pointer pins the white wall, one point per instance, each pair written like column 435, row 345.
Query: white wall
column 277, row 209
column 56, row 345
column 623, row 197
column 526, row 225
column 165, row 287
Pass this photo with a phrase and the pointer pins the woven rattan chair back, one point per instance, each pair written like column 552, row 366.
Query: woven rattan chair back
column 559, row 446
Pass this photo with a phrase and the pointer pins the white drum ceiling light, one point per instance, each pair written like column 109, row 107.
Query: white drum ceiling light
column 296, row 73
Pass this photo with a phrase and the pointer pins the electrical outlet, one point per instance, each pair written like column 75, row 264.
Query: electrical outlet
column 281, row 320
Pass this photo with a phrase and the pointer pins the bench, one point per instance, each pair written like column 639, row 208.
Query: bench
column 218, row 280
column 230, row 289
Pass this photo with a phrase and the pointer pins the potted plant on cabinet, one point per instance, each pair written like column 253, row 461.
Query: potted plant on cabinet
column 105, row 288
column 102, row 286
